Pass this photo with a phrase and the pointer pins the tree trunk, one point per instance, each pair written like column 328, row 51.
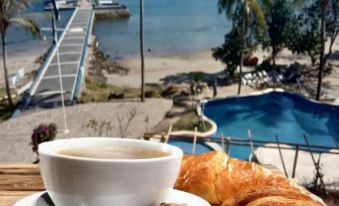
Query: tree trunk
column 242, row 42
column 4, row 58
column 142, row 96
column 322, row 50
column 274, row 55
column 313, row 58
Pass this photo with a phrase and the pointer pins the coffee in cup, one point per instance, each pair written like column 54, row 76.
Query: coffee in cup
column 100, row 180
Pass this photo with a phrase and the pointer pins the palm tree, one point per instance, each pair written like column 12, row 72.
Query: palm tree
column 247, row 7
column 142, row 50
column 9, row 10
column 324, row 5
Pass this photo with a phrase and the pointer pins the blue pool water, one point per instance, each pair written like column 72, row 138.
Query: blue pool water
column 186, row 145
column 277, row 113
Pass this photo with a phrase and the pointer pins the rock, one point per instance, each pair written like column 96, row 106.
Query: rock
column 176, row 90
column 116, row 96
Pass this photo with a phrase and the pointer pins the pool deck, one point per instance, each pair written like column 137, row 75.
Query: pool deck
column 305, row 169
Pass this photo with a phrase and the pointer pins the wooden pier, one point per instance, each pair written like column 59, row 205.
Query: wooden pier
column 71, row 50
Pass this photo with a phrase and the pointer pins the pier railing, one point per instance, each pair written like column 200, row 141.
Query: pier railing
column 43, row 68
column 82, row 65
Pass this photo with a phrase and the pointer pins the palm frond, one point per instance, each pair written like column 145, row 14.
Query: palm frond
column 298, row 3
column 268, row 3
column 257, row 10
column 228, row 6
column 28, row 24
column 22, row 4
column 10, row 8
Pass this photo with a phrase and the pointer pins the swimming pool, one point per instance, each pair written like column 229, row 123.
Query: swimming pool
column 284, row 114
column 187, row 144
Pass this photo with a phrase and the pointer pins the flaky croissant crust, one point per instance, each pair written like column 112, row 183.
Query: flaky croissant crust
column 220, row 179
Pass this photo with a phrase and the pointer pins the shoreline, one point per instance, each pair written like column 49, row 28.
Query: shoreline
column 159, row 67
column 24, row 56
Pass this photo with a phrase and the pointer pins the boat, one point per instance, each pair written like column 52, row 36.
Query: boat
column 108, row 4
column 62, row 4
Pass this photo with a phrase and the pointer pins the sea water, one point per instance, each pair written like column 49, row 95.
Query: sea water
column 21, row 41
column 171, row 27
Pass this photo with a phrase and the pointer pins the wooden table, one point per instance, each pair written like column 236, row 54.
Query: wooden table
column 18, row 181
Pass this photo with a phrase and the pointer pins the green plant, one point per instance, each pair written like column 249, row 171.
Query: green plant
column 242, row 12
column 229, row 52
column 329, row 13
column 190, row 121
column 197, row 76
column 125, row 121
column 279, row 16
column 42, row 133
column 305, row 34
column 265, row 65
column 99, row 128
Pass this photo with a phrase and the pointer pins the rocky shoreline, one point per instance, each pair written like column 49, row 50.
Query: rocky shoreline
column 103, row 14
column 102, row 64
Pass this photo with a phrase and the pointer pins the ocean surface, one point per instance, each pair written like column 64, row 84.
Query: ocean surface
column 172, row 27
column 20, row 41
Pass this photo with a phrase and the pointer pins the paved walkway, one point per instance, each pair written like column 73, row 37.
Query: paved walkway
column 15, row 134
column 46, row 90
column 305, row 169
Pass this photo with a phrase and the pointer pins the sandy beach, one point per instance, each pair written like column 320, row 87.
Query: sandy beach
column 158, row 67
column 161, row 69
column 22, row 56
column 174, row 69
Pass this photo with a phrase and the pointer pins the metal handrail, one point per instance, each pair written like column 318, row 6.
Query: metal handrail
column 81, row 72
column 316, row 148
column 265, row 144
column 43, row 68
column 260, row 143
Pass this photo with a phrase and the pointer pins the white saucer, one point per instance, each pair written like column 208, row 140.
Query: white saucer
column 174, row 196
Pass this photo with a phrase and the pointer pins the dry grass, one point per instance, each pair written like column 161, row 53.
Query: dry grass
column 96, row 91
column 189, row 121
column 5, row 111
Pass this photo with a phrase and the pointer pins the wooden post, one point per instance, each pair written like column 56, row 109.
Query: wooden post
column 295, row 161
column 169, row 131
column 228, row 146
column 251, row 143
column 316, row 165
column 142, row 95
column 281, row 157
column 222, row 142
column 194, row 140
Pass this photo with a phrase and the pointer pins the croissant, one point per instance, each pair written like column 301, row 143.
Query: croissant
column 220, row 179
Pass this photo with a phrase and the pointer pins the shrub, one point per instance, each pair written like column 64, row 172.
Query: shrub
column 229, row 52
column 197, row 76
column 43, row 133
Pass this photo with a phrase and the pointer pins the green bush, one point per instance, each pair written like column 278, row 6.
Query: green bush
column 229, row 52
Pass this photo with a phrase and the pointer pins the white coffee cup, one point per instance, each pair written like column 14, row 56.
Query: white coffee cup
column 78, row 181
